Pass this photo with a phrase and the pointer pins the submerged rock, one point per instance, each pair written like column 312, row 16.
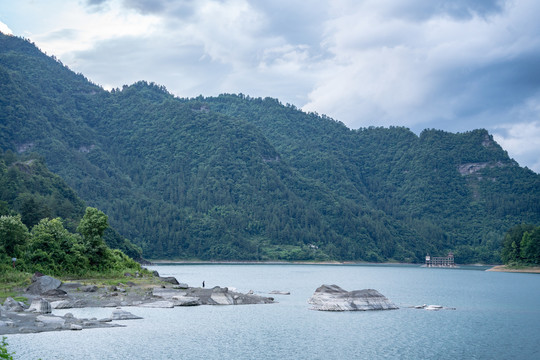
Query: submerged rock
column 158, row 304
column 119, row 314
column 334, row 298
column 278, row 292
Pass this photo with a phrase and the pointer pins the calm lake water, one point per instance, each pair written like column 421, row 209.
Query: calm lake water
column 497, row 316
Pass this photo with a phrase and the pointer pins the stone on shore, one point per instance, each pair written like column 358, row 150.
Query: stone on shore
column 55, row 292
column 169, row 279
column 42, row 284
column 334, row 298
column 89, row 288
column 40, row 306
column 12, row 305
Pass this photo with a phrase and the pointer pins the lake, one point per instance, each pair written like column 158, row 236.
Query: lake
column 497, row 316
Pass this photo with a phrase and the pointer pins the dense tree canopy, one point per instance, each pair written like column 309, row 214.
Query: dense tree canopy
column 51, row 249
column 239, row 178
column 522, row 245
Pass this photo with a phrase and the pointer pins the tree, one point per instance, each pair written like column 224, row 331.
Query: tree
column 530, row 246
column 92, row 226
column 511, row 252
column 13, row 234
column 54, row 249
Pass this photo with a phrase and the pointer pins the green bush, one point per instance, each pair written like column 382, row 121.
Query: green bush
column 4, row 353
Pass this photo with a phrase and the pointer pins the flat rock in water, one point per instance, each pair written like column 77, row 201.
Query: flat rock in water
column 185, row 301
column 51, row 320
column 334, row 298
column 123, row 315
column 158, row 304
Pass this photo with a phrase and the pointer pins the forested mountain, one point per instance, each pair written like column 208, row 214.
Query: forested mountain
column 29, row 189
column 240, row 178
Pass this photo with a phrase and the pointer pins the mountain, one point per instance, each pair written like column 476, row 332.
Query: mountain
column 29, row 189
column 239, row 178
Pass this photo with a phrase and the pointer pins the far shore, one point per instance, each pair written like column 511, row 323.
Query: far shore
column 504, row 268
column 272, row 262
column 500, row 268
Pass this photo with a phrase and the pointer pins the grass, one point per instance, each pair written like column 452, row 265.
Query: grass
column 12, row 283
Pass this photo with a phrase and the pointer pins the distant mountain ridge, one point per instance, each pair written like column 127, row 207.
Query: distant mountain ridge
column 239, row 178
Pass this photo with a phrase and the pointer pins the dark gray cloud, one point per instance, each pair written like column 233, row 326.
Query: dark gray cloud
column 489, row 90
column 168, row 8
column 95, row 2
column 94, row 6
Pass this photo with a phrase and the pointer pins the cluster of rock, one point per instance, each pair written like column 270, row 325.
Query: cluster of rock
column 334, row 298
column 18, row 318
column 186, row 296
column 47, row 293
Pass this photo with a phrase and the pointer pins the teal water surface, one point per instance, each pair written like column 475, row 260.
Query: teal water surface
column 496, row 316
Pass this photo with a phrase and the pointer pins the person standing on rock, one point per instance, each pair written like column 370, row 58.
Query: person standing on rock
column 203, row 283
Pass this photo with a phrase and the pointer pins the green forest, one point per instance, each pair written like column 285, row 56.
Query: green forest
column 239, row 178
column 46, row 227
column 521, row 245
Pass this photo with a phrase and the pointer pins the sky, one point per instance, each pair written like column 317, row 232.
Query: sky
column 454, row 65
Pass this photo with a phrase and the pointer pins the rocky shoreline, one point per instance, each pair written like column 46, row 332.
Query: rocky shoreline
column 47, row 293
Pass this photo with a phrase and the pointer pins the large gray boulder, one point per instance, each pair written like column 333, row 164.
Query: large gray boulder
column 334, row 298
column 43, row 284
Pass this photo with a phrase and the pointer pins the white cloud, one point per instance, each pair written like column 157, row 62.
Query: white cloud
column 77, row 29
column 5, row 29
column 402, row 71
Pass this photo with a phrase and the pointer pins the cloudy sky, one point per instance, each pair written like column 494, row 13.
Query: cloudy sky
column 455, row 65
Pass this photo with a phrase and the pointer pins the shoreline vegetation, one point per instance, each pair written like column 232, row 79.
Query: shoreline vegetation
column 518, row 269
